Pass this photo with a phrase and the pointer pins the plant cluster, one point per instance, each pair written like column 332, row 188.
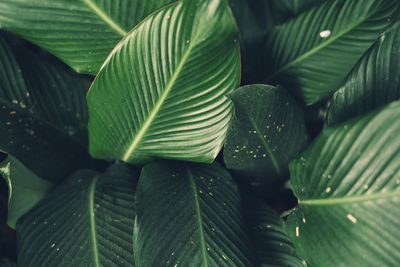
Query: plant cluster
column 174, row 133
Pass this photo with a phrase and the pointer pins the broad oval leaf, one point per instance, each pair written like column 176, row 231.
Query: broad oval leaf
column 86, row 221
column 272, row 245
column 80, row 32
column 348, row 187
column 25, row 189
column 373, row 82
column 43, row 111
column 161, row 91
column 267, row 132
column 189, row 215
column 312, row 53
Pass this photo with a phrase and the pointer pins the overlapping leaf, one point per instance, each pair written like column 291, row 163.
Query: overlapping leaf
column 348, row 187
column 43, row 112
column 272, row 245
column 373, row 82
column 25, row 189
column 87, row 221
column 80, row 32
column 161, row 91
column 189, row 215
column 312, row 53
column 266, row 133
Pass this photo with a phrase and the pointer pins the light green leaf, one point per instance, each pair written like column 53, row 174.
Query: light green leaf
column 161, row 91
column 80, row 32
column 373, row 82
column 189, row 215
column 87, row 221
column 266, row 133
column 43, row 112
column 5, row 174
column 312, row 53
column 25, row 189
column 273, row 246
column 348, row 187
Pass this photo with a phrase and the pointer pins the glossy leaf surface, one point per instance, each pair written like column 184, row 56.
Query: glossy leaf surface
column 312, row 53
column 161, row 92
column 348, row 187
column 272, row 245
column 25, row 189
column 86, row 221
column 43, row 112
column 373, row 82
column 80, row 32
column 189, row 215
column 266, row 133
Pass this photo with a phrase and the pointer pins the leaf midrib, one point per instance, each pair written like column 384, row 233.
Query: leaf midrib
column 266, row 146
column 91, row 190
column 140, row 134
column 104, row 17
column 349, row 200
column 199, row 217
column 324, row 44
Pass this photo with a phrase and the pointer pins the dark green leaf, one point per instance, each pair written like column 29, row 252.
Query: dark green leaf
column 373, row 82
column 87, row 221
column 161, row 91
column 348, row 187
column 25, row 189
column 312, row 53
column 266, row 133
column 81, row 33
column 4, row 262
column 43, row 112
column 273, row 246
column 189, row 215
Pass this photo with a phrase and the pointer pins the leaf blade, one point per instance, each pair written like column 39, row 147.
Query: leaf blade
column 167, row 111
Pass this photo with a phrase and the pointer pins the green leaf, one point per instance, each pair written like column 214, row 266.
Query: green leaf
column 266, row 133
column 273, row 246
column 87, row 221
column 43, row 112
column 189, row 215
column 25, row 189
column 348, row 187
column 161, row 91
column 80, row 32
column 373, row 82
column 312, row 53
column 5, row 174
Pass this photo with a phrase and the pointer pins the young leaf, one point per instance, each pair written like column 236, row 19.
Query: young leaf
column 81, row 33
column 348, row 188
column 87, row 221
column 266, row 133
column 312, row 53
column 161, row 91
column 373, row 82
column 189, row 215
column 273, row 246
column 25, row 189
column 43, row 112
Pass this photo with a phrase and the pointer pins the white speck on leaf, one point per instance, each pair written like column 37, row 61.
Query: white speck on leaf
column 351, row 218
column 325, row 34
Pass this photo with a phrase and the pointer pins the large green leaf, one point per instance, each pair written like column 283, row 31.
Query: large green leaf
column 43, row 112
column 312, row 53
column 255, row 19
column 86, row 221
column 80, row 32
column 273, row 246
column 161, row 91
column 266, row 133
column 348, row 188
column 25, row 189
column 373, row 82
column 189, row 215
